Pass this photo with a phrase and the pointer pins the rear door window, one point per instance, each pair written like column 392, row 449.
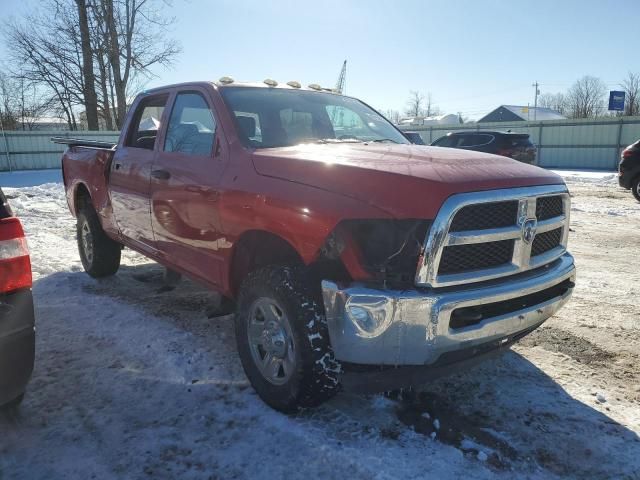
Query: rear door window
column 191, row 127
column 146, row 122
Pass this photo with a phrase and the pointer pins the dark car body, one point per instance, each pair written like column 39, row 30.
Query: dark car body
column 17, row 332
column 629, row 168
column 513, row 145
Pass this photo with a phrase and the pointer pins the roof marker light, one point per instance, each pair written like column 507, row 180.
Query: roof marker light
column 226, row 80
column 294, row 84
column 315, row 86
column 271, row 83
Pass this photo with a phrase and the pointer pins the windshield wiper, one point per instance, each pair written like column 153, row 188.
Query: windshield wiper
column 381, row 140
column 337, row 140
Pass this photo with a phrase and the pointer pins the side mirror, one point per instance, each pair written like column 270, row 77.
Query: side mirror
column 414, row 137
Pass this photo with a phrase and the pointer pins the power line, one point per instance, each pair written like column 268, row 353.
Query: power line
column 535, row 101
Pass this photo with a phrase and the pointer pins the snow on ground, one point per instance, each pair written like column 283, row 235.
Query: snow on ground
column 133, row 383
column 598, row 177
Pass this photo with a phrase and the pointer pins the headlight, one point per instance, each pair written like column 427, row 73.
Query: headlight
column 386, row 249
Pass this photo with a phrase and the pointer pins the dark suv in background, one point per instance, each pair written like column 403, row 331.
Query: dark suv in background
column 512, row 145
column 629, row 169
column 17, row 331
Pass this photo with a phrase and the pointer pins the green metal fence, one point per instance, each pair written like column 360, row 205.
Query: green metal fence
column 577, row 144
column 33, row 150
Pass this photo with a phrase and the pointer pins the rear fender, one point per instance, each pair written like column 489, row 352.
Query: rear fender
column 88, row 169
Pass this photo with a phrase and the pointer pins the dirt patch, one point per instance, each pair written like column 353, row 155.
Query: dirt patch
column 561, row 341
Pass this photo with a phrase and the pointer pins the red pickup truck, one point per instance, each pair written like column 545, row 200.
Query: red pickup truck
column 354, row 259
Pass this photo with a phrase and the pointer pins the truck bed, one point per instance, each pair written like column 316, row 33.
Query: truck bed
column 78, row 142
column 86, row 165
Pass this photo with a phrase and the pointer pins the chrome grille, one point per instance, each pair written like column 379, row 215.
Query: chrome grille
column 548, row 207
column 485, row 215
column 475, row 256
column 484, row 235
column 546, row 241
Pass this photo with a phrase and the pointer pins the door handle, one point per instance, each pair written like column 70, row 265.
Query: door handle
column 118, row 165
column 160, row 174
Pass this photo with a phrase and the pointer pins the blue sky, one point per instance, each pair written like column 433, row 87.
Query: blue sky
column 471, row 55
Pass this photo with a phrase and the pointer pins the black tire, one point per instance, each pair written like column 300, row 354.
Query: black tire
column 635, row 187
column 13, row 404
column 100, row 255
column 313, row 377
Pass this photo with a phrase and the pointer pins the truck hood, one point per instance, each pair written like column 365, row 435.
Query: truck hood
column 406, row 181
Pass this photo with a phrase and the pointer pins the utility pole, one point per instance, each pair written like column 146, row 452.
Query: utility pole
column 535, row 101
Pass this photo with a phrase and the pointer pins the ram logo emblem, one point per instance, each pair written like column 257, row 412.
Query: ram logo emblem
column 529, row 228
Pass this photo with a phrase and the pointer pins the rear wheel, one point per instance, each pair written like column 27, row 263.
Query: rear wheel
column 283, row 341
column 100, row 255
column 635, row 187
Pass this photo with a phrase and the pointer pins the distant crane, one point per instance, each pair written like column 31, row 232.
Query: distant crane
column 338, row 113
column 340, row 86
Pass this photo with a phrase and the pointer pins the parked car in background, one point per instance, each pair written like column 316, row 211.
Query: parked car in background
column 355, row 260
column 17, row 332
column 414, row 137
column 513, row 145
column 629, row 169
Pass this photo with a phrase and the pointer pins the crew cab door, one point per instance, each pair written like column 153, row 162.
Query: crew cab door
column 184, row 187
column 130, row 176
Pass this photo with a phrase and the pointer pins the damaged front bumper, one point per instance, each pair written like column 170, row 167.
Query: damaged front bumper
column 422, row 327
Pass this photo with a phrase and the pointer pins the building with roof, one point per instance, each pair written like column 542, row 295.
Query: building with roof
column 447, row 119
column 521, row 113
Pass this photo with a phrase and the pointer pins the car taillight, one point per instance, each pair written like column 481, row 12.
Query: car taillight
column 627, row 153
column 505, row 152
column 15, row 264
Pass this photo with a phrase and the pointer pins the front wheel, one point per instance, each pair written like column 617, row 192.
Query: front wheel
column 283, row 340
column 635, row 187
column 100, row 255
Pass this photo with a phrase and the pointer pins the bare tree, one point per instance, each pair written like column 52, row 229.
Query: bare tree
column 21, row 104
column 554, row 101
column 135, row 41
column 89, row 80
column 415, row 104
column 430, row 109
column 392, row 115
column 585, row 98
column 91, row 53
column 631, row 87
column 8, row 115
column 49, row 55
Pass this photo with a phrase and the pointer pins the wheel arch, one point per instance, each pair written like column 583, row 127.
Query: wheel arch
column 255, row 249
column 81, row 195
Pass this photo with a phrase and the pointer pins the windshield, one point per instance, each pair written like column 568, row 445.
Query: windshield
column 270, row 117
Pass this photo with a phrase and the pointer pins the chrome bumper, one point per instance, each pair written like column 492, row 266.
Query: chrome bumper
column 412, row 327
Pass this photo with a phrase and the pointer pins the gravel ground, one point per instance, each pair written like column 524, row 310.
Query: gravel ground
column 133, row 382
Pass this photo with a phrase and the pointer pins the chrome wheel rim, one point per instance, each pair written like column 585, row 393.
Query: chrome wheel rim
column 87, row 242
column 638, row 189
column 271, row 341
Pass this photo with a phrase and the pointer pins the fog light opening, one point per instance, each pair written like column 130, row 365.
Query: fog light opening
column 370, row 315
